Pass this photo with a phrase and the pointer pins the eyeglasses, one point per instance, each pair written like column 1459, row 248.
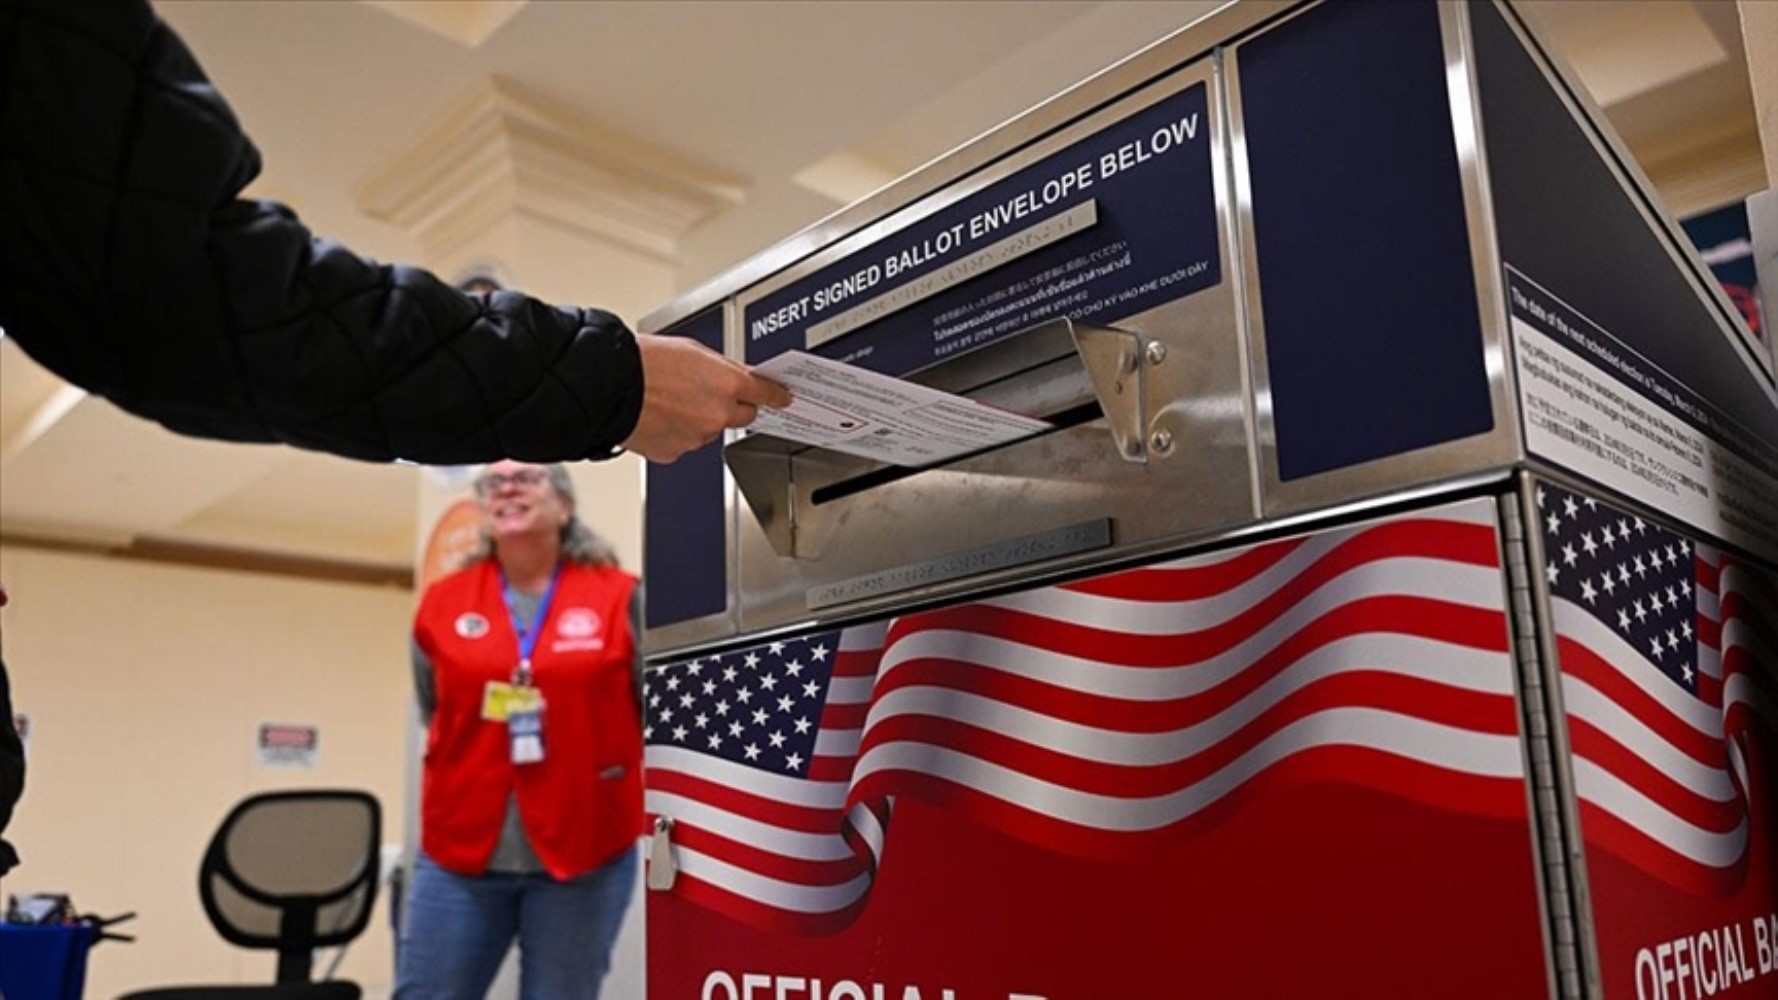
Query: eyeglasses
column 494, row 482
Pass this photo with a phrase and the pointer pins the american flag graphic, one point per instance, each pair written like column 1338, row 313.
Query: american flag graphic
column 750, row 753
column 1662, row 659
column 1110, row 718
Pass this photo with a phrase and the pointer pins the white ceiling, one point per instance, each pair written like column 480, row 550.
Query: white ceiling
column 842, row 94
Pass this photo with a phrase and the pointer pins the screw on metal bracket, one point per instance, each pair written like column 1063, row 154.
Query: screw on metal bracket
column 1155, row 352
column 1161, row 441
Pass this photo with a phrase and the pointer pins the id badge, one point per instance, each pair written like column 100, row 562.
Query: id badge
column 497, row 701
column 524, row 726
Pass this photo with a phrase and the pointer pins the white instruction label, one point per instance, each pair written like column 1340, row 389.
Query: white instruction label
column 1578, row 416
column 859, row 412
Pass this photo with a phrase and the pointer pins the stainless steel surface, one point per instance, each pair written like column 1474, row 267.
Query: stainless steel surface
column 1498, row 448
column 1037, row 372
column 1011, row 554
column 806, row 538
column 764, row 472
column 1113, row 360
column 1013, row 359
column 1478, row 205
column 1235, row 151
column 1542, row 787
column 1247, row 531
column 1189, row 43
column 1186, row 445
column 1561, row 770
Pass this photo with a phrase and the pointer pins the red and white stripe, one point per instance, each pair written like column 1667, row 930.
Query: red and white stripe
column 1122, row 711
column 1659, row 774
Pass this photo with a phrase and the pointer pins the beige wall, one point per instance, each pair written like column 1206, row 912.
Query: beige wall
column 143, row 684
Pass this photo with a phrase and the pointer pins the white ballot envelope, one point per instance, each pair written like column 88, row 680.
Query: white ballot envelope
column 859, row 412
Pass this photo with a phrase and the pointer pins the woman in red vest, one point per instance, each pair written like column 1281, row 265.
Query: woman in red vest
column 528, row 672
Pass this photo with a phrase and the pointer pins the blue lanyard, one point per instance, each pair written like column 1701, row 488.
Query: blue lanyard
column 528, row 633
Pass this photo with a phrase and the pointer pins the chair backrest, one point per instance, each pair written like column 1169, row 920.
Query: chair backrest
column 294, row 871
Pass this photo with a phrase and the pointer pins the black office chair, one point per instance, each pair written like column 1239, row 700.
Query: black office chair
column 291, row 871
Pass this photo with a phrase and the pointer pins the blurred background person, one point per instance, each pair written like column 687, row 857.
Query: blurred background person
column 528, row 673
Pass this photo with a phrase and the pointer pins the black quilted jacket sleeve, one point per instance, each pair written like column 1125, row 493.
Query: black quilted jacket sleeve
column 130, row 266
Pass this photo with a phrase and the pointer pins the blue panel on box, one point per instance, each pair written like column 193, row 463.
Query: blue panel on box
column 1373, row 340
column 684, row 546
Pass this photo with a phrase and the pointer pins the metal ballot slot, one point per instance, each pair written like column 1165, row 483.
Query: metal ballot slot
column 1061, row 371
column 1085, row 279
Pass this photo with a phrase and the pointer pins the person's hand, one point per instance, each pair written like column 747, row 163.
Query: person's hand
column 690, row 394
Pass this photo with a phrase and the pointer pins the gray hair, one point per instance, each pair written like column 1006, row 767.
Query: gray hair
column 579, row 543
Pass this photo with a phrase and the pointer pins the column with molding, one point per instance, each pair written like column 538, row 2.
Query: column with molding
column 509, row 183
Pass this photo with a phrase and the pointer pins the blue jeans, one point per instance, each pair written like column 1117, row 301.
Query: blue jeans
column 458, row 929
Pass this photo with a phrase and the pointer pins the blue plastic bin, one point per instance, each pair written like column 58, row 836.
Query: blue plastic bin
column 44, row 961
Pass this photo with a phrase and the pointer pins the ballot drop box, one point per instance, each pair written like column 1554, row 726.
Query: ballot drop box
column 1387, row 607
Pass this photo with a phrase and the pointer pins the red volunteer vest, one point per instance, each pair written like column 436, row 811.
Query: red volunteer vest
column 582, row 804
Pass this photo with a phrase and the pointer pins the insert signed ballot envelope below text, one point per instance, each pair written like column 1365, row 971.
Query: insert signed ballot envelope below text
column 859, row 412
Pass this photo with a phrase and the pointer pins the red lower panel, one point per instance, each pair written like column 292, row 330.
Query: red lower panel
column 1310, row 890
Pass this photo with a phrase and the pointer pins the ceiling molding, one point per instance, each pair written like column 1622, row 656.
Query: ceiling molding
column 1709, row 175
column 503, row 152
column 467, row 22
